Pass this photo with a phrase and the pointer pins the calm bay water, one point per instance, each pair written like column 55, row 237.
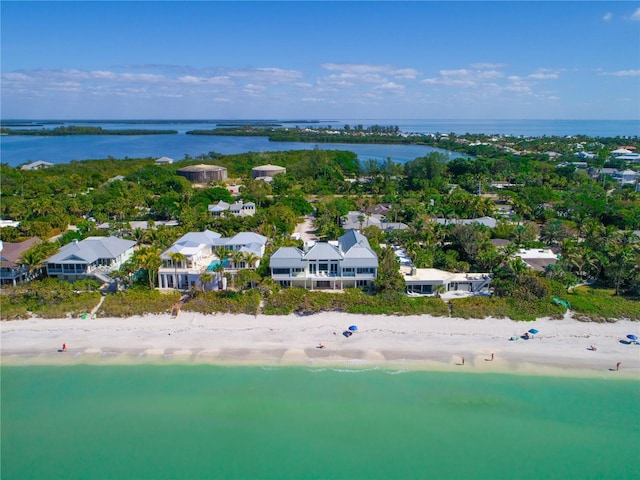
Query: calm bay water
column 201, row 421
column 16, row 150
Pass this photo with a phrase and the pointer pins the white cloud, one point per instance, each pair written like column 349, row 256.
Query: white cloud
column 607, row 16
column 266, row 75
column 391, row 87
column 622, row 73
column 363, row 70
column 463, row 77
column 193, row 80
column 636, row 15
column 544, row 76
column 488, row 66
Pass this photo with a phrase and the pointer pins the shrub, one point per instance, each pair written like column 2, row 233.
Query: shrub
column 10, row 310
column 225, row 302
column 602, row 305
column 138, row 301
column 48, row 298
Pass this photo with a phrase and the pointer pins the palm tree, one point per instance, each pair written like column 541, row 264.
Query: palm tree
column 518, row 267
column 237, row 258
column 222, row 253
column 219, row 269
column 205, row 279
column 176, row 257
column 439, row 290
column 148, row 258
column 250, row 259
column 138, row 235
column 32, row 259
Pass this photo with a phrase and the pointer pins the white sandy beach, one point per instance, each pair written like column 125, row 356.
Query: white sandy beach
column 393, row 342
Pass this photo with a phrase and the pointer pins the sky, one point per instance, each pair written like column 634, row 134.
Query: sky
column 320, row 60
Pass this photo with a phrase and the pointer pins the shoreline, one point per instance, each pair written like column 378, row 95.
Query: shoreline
column 392, row 343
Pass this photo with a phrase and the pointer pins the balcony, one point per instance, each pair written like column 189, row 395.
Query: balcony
column 322, row 276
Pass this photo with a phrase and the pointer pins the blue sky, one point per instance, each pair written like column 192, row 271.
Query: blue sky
column 321, row 60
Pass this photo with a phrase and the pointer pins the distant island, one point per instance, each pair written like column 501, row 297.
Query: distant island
column 476, row 144
column 78, row 130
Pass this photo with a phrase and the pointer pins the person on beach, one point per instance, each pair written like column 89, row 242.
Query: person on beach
column 592, row 348
column 462, row 360
column 492, row 356
column 618, row 366
column 64, row 347
column 320, row 345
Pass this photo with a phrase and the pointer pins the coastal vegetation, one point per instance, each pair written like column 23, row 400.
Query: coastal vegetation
column 138, row 301
column 540, row 196
column 81, row 130
column 49, row 298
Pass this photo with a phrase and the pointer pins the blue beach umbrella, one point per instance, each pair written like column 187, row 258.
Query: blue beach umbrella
column 353, row 328
column 533, row 331
column 632, row 337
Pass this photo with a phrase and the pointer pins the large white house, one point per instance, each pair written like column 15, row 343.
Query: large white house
column 92, row 257
column 349, row 262
column 427, row 281
column 197, row 255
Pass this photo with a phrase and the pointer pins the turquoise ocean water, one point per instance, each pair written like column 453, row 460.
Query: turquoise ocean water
column 197, row 421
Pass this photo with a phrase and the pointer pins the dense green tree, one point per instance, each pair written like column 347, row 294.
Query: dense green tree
column 389, row 281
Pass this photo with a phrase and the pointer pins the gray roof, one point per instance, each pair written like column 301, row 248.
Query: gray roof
column 219, row 207
column 91, row 249
column 351, row 238
column 323, row 251
column 486, row 221
column 206, row 237
column 351, row 222
column 246, row 238
column 287, row 257
column 288, row 253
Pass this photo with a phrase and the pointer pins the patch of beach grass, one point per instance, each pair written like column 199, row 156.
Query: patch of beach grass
column 12, row 311
column 224, row 302
column 48, row 298
column 301, row 301
column 502, row 307
column 138, row 301
column 602, row 305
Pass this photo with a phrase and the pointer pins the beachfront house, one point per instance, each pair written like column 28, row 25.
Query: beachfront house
column 428, row 281
column 196, row 253
column 93, row 257
column 537, row 259
column 349, row 262
column 12, row 270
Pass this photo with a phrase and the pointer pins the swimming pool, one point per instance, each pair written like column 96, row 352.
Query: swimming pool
column 214, row 263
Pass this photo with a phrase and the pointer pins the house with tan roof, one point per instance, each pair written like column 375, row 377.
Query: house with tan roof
column 12, row 270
